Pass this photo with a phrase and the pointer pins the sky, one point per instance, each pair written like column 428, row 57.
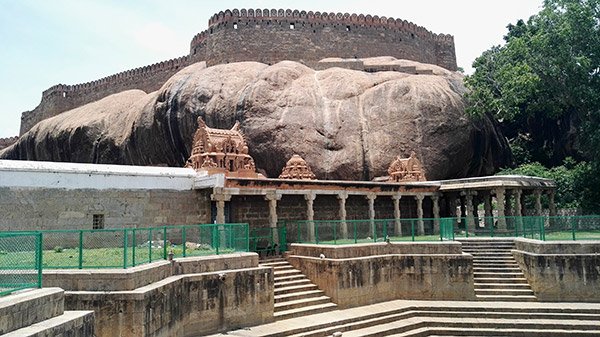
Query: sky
column 47, row 42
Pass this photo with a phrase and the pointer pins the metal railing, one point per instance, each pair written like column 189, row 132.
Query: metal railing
column 546, row 228
column 268, row 241
column 20, row 261
column 361, row 231
column 129, row 247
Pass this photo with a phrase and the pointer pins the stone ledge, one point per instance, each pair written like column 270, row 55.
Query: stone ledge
column 136, row 277
column 371, row 249
column 558, row 247
column 71, row 323
column 28, row 307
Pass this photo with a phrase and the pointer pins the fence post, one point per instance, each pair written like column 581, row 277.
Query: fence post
column 466, row 227
column 125, row 248
column 39, row 258
column 216, row 237
column 316, row 224
column 184, row 240
column 247, row 239
column 573, row 227
column 133, row 244
column 150, row 245
column 80, row 249
column 412, row 229
column 355, row 238
column 334, row 233
column 164, row 242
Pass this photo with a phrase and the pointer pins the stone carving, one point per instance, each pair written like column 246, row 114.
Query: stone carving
column 221, row 151
column 406, row 169
column 297, row 168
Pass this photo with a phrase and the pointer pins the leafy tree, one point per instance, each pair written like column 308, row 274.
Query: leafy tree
column 543, row 86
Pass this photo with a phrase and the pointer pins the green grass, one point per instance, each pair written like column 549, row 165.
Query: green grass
column 68, row 258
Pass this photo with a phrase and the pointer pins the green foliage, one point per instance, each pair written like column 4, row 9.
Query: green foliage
column 570, row 179
column 543, row 85
column 58, row 249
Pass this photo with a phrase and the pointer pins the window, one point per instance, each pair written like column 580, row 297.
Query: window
column 292, row 25
column 235, row 26
column 64, row 94
column 347, row 28
column 98, row 221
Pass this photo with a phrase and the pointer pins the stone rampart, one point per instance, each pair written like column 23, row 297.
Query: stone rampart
column 356, row 281
column 270, row 36
column 63, row 97
column 6, row 142
column 561, row 270
column 267, row 36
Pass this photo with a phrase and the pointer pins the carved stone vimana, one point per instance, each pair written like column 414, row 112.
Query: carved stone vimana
column 297, row 168
column 221, row 151
column 406, row 169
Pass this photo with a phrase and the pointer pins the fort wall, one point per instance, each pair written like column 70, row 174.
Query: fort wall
column 266, row 36
column 6, row 142
column 63, row 97
column 270, row 36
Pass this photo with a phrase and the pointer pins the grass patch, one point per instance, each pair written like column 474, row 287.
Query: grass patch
column 68, row 258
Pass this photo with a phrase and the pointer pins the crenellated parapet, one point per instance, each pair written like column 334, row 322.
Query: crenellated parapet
column 6, row 142
column 268, row 36
column 273, row 35
column 324, row 18
column 117, row 79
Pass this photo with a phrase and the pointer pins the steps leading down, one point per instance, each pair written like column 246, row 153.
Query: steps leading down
column 295, row 295
column 496, row 273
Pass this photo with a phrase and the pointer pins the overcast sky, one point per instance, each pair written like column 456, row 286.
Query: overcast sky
column 46, row 42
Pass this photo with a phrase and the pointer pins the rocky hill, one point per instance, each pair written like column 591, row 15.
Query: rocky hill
column 347, row 124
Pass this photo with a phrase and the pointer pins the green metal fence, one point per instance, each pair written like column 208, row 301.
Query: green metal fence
column 128, row 247
column 361, row 231
column 267, row 241
column 20, row 261
column 533, row 227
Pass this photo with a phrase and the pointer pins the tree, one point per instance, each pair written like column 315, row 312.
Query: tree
column 543, row 86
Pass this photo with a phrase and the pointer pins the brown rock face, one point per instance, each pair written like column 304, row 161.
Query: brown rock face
column 348, row 124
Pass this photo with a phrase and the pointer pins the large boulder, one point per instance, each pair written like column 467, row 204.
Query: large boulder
column 347, row 124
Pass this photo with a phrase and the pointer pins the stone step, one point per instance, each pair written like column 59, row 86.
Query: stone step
column 283, row 267
column 502, row 286
column 492, row 247
column 495, row 265
column 506, row 298
column 494, row 258
column 475, row 332
column 298, row 295
column 70, row 323
column 515, row 280
column 293, row 282
column 402, row 327
column 478, row 275
column 347, row 325
column 304, row 311
column 303, row 302
column 286, row 272
column 295, row 288
column 488, row 252
column 503, row 292
column 274, row 263
column 287, row 278
column 502, row 269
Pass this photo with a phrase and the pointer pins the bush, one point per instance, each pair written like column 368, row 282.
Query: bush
column 58, row 249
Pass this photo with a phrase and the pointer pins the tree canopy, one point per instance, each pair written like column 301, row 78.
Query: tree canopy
column 543, row 86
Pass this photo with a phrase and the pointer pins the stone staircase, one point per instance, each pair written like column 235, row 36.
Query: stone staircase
column 441, row 318
column 496, row 274
column 294, row 293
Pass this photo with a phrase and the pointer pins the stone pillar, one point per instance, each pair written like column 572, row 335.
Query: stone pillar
column 220, row 199
column 501, row 205
column 469, row 210
column 487, row 207
column 272, row 198
column 507, row 202
column 518, row 210
column 436, row 213
column 310, row 216
column 397, row 222
column 371, row 198
column 420, row 223
column 551, row 204
column 342, row 197
column 538, row 202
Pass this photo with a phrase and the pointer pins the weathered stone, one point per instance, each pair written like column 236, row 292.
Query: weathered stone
column 348, row 124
